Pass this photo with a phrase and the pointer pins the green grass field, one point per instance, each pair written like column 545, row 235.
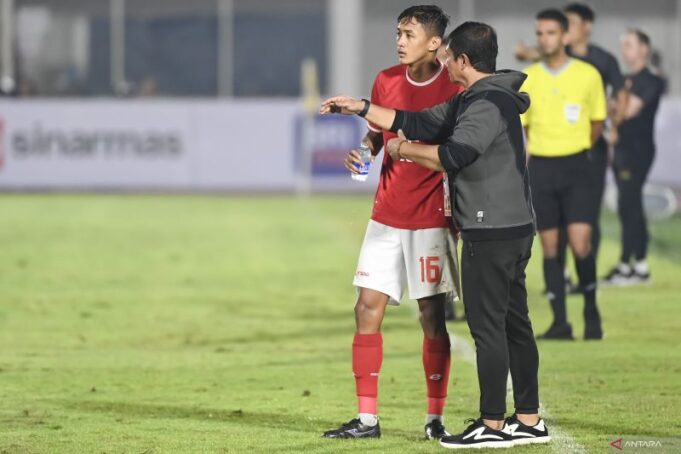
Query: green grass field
column 216, row 324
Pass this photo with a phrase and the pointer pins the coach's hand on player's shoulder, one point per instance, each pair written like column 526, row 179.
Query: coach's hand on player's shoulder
column 341, row 105
column 353, row 161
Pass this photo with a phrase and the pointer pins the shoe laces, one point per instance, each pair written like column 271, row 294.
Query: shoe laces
column 472, row 422
column 350, row 423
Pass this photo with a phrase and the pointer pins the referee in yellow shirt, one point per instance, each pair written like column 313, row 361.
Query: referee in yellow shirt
column 565, row 118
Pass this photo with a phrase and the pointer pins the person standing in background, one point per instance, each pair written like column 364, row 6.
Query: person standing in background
column 581, row 18
column 564, row 120
column 634, row 154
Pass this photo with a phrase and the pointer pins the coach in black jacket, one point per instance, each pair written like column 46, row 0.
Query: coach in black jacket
column 481, row 148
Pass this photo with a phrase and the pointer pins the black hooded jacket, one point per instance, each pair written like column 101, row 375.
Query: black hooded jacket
column 483, row 151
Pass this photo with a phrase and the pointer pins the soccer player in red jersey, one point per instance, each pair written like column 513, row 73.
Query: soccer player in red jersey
column 408, row 241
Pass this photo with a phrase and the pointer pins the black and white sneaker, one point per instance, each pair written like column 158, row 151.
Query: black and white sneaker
column 525, row 435
column 434, row 430
column 621, row 275
column 639, row 278
column 477, row 435
column 354, row 429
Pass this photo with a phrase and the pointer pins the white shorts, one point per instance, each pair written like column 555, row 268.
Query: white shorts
column 423, row 260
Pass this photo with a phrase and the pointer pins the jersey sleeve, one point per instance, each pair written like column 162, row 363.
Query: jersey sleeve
column 598, row 110
column 375, row 99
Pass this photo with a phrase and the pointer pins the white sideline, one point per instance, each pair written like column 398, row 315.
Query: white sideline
column 561, row 441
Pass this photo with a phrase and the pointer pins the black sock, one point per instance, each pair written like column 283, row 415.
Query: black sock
column 555, row 285
column 595, row 239
column 586, row 270
column 562, row 247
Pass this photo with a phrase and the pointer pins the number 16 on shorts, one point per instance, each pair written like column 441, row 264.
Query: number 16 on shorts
column 430, row 269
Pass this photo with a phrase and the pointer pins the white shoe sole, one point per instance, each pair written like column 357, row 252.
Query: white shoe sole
column 625, row 282
column 484, row 444
column 532, row 441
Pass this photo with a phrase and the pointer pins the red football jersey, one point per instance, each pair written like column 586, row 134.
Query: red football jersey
column 410, row 196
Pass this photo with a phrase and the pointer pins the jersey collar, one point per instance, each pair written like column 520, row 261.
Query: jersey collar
column 559, row 71
column 427, row 82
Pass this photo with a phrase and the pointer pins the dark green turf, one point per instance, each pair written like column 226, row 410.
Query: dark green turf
column 199, row 324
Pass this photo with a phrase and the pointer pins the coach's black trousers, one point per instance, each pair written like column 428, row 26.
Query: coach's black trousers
column 495, row 298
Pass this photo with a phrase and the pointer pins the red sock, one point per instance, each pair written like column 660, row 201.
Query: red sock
column 367, row 357
column 436, row 361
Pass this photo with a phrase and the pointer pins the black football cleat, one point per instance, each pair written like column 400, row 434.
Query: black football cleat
column 354, row 429
column 434, row 430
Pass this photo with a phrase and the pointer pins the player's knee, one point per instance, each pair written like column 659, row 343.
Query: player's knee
column 550, row 247
column 427, row 316
column 582, row 249
column 550, row 250
column 432, row 318
column 365, row 308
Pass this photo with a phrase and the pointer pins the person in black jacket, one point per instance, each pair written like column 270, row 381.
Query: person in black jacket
column 481, row 148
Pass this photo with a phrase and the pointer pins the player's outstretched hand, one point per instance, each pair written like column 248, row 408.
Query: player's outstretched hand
column 341, row 105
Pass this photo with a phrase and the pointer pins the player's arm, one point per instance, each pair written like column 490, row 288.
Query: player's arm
column 641, row 96
column 596, row 130
column 424, row 155
column 475, row 130
column 523, row 52
column 374, row 139
column 598, row 106
column 618, row 115
column 634, row 107
column 635, row 103
column 430, row 125
column 344, row 105
column 621, row 101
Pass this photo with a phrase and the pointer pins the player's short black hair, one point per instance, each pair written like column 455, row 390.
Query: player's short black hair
column 555, row 15
column 479, row 42
column 584, row 11
column 433, row 19
column 642, row 36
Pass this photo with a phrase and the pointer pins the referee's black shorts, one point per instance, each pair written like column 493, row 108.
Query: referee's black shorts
column 562, row 190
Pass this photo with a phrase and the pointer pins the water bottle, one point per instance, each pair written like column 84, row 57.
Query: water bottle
column 365, row 156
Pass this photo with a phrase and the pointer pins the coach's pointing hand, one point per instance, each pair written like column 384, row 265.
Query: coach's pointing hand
column 341, row 105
